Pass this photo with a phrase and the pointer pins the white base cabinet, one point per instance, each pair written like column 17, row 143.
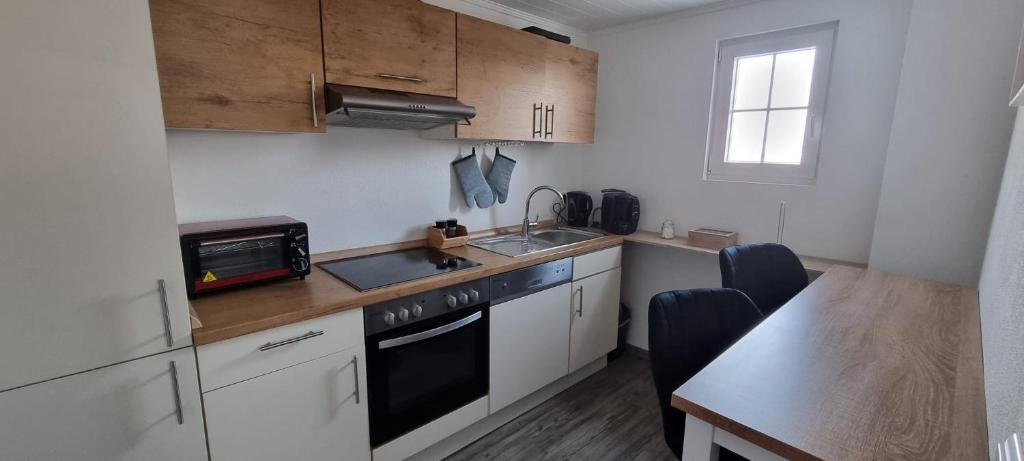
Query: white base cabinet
column 529, row 345
column 594, row 311
column 296, row 392
column 128, row 411
column 312, row 411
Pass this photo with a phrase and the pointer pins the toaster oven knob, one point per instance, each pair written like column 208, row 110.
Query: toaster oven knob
column 463, row 297
column 300, row 264
column 417, row 310
column 474, row 295
column 403, row 314
column 389, row 318
column 451, row 301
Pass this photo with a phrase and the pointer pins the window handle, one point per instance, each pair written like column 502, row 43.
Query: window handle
column 815, row 126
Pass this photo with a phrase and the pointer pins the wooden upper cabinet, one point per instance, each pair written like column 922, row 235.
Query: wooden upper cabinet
column 502, row 74
column 571, row 94
column 403, row 45
column 240, row 64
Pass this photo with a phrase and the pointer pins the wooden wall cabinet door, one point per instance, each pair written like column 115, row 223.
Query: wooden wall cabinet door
column 502, row 74
column 570, row 100
column 240, row 64
column 595, row 317
column 402, row 45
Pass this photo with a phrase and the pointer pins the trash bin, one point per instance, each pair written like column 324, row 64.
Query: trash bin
column 624, row 318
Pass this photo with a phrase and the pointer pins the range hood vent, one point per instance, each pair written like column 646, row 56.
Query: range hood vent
column 371, row 108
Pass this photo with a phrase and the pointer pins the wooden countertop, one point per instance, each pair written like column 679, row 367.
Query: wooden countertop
column 860, row 365
column 681, row 243
column 239, row 312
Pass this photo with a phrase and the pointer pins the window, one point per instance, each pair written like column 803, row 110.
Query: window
column 767, row 107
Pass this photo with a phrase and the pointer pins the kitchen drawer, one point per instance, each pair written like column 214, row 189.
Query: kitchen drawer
column 237, row 359
column 596, row 262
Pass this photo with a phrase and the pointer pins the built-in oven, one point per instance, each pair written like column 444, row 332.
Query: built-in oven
column 426, row 356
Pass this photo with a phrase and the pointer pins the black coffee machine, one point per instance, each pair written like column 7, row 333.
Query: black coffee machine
column 578, row 208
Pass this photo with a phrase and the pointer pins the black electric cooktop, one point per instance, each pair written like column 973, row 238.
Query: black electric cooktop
column 379, row 270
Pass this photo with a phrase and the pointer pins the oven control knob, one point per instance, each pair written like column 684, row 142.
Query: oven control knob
column 389, row 317
column 403, row 314
column 451, row 301
column 474, row 295
column 300, row 264
column 417, row 310
column 463, row 297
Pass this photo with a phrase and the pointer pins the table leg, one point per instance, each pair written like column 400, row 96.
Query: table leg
column 699, row 441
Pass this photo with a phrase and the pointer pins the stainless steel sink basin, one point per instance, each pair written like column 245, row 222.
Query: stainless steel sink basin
column 514, row 245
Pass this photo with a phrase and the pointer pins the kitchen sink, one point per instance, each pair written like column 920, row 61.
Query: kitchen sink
column 515, row 245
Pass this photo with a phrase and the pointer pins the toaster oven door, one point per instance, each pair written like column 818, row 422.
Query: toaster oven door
column 224, row 262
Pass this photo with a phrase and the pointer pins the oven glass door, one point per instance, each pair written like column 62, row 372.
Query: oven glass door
column 425, row 371
column 240, row 258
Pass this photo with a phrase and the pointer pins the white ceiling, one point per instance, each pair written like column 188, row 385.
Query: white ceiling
column 591, row 15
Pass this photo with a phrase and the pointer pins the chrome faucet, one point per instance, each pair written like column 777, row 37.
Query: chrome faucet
column 527, row 224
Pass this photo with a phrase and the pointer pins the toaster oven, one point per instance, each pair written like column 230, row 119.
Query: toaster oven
column 222, row 254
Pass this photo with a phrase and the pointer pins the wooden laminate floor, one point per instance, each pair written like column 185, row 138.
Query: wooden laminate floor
column 612, row 415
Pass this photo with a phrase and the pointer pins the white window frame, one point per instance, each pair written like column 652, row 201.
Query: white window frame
column 819, row 36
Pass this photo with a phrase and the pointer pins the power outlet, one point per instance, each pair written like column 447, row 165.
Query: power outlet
column 1010, row 450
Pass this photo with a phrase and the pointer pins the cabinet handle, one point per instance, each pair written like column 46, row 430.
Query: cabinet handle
column 537, row 120
column 166, row 311
column 401, row 77
column 355, row 369
column 177, row 393
column 312, row 98
column 579, row 311
column 549, row 116
column 285, row 342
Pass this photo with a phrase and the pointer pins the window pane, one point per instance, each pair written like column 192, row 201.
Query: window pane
column 746, row 136
column 793, row 73
column 751, row 82
column 785, row 142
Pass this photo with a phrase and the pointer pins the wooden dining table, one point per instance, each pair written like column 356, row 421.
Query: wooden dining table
column 861, row 365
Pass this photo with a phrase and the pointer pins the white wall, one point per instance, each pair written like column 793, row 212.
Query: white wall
column 1002, row 298
column 654, row 91
column 950, row 134
column 359, row 187
column 654, row 97
column 354, row 187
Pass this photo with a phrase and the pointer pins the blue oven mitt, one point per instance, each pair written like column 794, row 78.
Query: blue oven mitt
column 500, row 175
column 474, row 186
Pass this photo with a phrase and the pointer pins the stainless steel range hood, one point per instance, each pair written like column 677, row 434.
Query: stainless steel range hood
column 371, row 108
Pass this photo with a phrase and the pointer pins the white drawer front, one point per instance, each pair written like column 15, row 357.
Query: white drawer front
column 596, row 262
column 237, row 359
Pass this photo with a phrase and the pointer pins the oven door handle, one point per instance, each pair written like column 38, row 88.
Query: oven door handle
column 416, row 337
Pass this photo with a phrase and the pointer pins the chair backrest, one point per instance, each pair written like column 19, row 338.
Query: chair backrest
column 687, row 330
column 769, row 273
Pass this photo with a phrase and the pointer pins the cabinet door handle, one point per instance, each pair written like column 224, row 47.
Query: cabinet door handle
column 538, row 119
column 312, row 98
column 401, row 77
column 166, row 311
column 177, row 392
column 285, row 342
column 355, row 370
column 579, row 311
column 549, row 119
